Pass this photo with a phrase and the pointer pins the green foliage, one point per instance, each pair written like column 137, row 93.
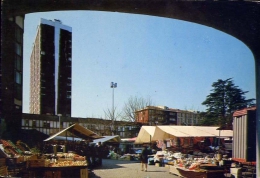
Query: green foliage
column 221, row 103
column 35, row 150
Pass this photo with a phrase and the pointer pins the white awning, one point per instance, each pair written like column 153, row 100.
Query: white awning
column 162, row 132
column 114, row 138
column 154, row 133
column 145, row 134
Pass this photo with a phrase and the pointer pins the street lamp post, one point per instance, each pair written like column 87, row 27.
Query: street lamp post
column 113, row 85
column 59, row 120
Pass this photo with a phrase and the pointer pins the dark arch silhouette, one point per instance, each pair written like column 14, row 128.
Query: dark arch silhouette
column 237, row 18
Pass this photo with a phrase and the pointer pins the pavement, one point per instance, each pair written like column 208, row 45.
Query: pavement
column 128, row 169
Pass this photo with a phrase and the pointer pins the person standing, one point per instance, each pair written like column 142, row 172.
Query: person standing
column 144, row 158
column 92, row 155
column 88, row 155
column 99, row 150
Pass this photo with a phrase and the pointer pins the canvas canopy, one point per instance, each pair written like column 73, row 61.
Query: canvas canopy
column 145, row 134
column 164, row 132
column 154, row 133
column 114, row 138
column 128, row 139
column 78, row 131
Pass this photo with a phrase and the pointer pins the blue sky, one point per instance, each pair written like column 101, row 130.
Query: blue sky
column 171, row 61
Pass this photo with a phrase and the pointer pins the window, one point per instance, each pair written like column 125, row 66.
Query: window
column 172, row 114
column 18, row 49
column 46, row 125
column 172, row 119
column 18, row 77
column 18, row 35
column 34, row 124
column 18, row 62
column 18, row 91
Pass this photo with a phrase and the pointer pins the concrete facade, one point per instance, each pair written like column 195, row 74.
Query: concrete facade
column 50, row 125
column 50, row 66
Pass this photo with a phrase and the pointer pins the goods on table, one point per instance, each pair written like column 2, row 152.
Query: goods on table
column 68, row 163
column 9, row 149
column 61, row 160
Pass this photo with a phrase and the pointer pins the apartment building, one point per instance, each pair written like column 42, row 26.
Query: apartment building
column 163, row 115
column 50, row 67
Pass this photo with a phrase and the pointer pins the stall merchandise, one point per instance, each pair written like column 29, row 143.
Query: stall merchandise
column 200, row 173
column 185, row 165
column 57, row 166
column 9, row 149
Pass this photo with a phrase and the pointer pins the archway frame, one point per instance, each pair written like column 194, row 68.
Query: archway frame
column 239, row 19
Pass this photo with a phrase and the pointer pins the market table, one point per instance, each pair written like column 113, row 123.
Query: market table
column 59, row 172
column 216, row 172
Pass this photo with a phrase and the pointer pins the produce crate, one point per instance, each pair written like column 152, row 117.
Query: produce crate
column 66, row 159
column 52, row 174
column 83, row 173
column 3, row 171
column 2, row 162
column 38, row 163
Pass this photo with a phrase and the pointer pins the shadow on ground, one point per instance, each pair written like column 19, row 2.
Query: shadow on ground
column 115, row 164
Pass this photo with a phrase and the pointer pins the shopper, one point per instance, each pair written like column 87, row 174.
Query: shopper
column 144, row 158
column 99, row 150
column 93, row 155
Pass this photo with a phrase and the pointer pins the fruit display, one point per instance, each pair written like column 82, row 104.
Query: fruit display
column 68, row 163
column 70, row 156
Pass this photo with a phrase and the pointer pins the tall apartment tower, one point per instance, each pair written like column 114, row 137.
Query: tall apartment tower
column 50, row 65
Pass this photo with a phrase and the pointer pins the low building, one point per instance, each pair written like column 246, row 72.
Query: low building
column 162, row 115
column 50, row 125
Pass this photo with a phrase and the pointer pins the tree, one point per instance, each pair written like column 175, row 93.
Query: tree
column 223, row 101
column 134, row 104
column 111, row 114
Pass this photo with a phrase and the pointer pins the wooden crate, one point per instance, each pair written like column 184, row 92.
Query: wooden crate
column 52, row 174
column 38, row 163
column 3, row 171
column 83, row 173
column 2, row 162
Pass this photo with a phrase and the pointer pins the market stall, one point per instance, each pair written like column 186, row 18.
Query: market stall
column 190, row 138
column 77, row 130
column 185, row 165
column 13, row 157
column 63, row 165
column 191, row 159
column 56, row 163
column 145, row 134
